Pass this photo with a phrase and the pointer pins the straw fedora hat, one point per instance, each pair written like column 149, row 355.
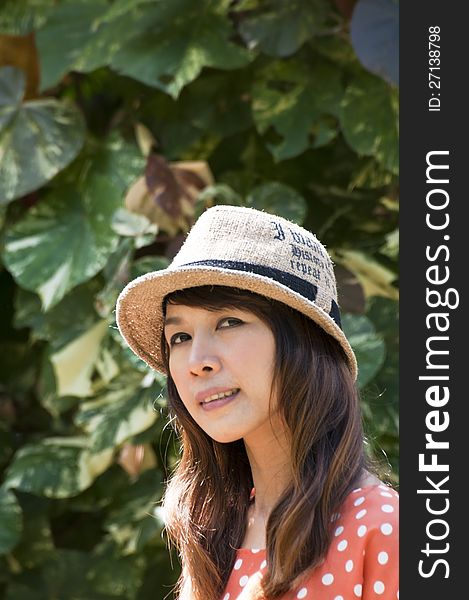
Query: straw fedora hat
column 243, row 248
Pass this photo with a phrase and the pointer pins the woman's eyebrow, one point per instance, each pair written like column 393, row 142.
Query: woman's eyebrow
column 172, row 321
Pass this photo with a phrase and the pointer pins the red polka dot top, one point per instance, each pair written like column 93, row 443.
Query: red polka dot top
column 362, row 561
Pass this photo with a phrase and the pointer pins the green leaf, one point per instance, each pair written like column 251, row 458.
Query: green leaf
column 56, row 467
column 117, row 160
column 64, row 240
column 68, row 34
column 278, row 199
column 118, row 414
column 164, row 45
column 369, row 120
column 38, row 138
column 283, row 27
column 19, row 17
column 294, row 100
column 65, row 322
column 68, row 237
column 169, row 50
column 11, row 522
column 369, row 348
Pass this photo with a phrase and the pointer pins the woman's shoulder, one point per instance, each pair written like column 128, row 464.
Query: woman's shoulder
column 373, row 506
column 362, row 560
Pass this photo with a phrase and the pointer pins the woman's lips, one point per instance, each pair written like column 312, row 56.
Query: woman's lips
column 214, row 404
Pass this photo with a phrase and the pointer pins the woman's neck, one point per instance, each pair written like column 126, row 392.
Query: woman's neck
column 271, row 472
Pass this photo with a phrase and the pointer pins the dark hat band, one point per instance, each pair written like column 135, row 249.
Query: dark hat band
column 300, row 286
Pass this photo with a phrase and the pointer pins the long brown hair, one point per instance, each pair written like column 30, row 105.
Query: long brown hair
column 206, row 502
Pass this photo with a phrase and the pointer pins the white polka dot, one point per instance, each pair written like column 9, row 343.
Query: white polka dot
column 383, row 487
column 263, row 564
column 302, row 593
column 378, row 587
column 357, row 590
column 327, row 579
column 386, row 528
column 338, row 531
column 349, row 566
column 386, row 494
column 359, row 501
column 339, row 598
column 387, row 508
column 361, row 530
column 360, row 514
column 397, row 594
column 383, row 558
column 255, row 550
column 226, row 596
column 356, row 490
column 335, row 517
column 238, row 564
column 244, row 579
column 342, row 545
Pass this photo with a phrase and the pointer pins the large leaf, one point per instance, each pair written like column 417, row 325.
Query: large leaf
column 295, row 101
column 56, row 467
column 369, row 120
column 38, row 138
column 164, row 45
column 282, row 27
column 369, row 348
column 118, row 414
column 169, row 50
column 68, row 237
column 63, row 241
column 374, row 31
column 11, row 523
column 68, row 34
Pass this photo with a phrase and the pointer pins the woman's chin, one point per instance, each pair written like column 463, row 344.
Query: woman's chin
column 228, row 438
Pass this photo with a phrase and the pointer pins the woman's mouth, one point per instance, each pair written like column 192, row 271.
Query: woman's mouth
column 220, row 399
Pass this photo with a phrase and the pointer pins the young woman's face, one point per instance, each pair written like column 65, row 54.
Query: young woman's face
column 222, row 363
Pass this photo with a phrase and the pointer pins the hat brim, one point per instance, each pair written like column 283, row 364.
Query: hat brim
column 139, row 309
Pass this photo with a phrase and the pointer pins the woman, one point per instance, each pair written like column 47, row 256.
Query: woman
column 272, row 497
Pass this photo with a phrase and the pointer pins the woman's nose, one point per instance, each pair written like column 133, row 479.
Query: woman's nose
column 203, row 358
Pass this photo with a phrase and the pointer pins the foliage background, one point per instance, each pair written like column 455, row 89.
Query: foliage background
column 120, row 121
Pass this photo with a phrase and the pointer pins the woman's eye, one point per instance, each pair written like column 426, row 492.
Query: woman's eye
column 229, row 322
column 178, row 338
